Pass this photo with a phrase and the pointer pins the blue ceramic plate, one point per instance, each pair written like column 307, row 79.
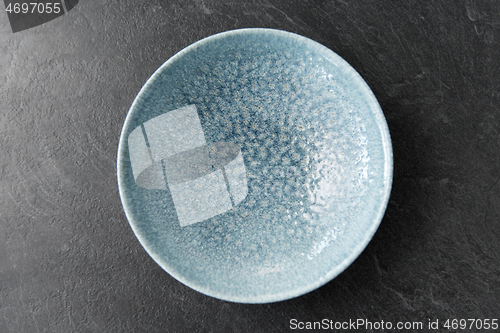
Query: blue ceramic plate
column 255, row 165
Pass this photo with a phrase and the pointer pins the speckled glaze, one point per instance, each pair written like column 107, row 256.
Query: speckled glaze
column 318, row 161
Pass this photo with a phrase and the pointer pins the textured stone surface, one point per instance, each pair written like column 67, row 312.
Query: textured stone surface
column 69, row 261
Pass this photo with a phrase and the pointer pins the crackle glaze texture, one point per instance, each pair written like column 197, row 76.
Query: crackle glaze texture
column 318, row 165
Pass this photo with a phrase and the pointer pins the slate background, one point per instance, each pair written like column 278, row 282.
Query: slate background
column 69, row 261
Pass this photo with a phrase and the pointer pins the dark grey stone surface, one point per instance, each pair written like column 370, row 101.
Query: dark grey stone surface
column 69, row 261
